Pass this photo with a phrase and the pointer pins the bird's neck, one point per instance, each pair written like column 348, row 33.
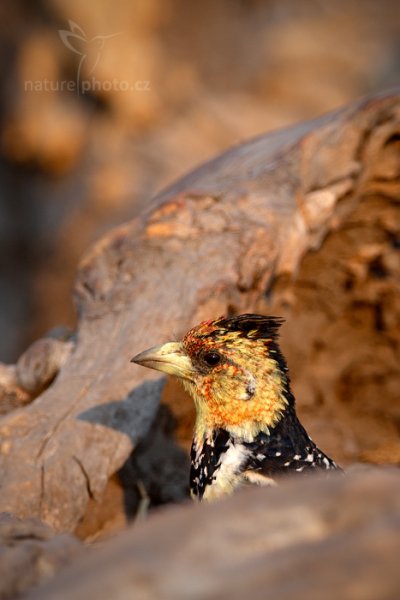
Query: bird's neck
column 243, row 419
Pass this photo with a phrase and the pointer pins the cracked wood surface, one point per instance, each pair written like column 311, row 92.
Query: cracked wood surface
column 209, row 245
column 308, row 538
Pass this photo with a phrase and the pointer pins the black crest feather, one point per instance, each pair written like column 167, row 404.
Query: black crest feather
column 260, row 326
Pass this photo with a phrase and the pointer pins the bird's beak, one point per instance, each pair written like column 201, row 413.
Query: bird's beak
column 169, row 358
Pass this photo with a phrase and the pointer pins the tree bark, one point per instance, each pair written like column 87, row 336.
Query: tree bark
column 222, row 240
column 309, row 538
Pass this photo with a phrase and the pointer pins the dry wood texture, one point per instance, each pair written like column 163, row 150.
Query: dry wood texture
column 236, row 235
column 30, row 553
column 307, row 539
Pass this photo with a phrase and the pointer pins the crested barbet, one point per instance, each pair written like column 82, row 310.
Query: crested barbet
column 247, row 430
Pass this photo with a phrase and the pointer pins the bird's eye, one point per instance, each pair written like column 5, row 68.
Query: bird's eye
column 211, row 358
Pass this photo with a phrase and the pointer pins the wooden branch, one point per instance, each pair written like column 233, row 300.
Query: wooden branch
column 213, row 243
column 308, row 538
column 31, row 553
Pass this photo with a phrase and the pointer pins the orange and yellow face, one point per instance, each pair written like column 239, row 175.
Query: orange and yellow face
column 232, row 369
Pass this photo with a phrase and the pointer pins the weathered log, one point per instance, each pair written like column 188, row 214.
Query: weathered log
column 30, row 553
column 35, row 370
column 308, row 538
column 40, row 363
column 230, row 237
column 12, row 396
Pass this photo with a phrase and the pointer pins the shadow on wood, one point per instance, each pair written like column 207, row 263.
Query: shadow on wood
column 244, row 232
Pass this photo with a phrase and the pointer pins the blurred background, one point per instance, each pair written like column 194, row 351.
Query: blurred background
column 103, row 103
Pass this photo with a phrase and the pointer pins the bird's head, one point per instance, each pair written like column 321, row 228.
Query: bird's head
column 233, row 369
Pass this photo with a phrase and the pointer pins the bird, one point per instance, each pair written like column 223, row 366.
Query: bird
column 246, row 430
